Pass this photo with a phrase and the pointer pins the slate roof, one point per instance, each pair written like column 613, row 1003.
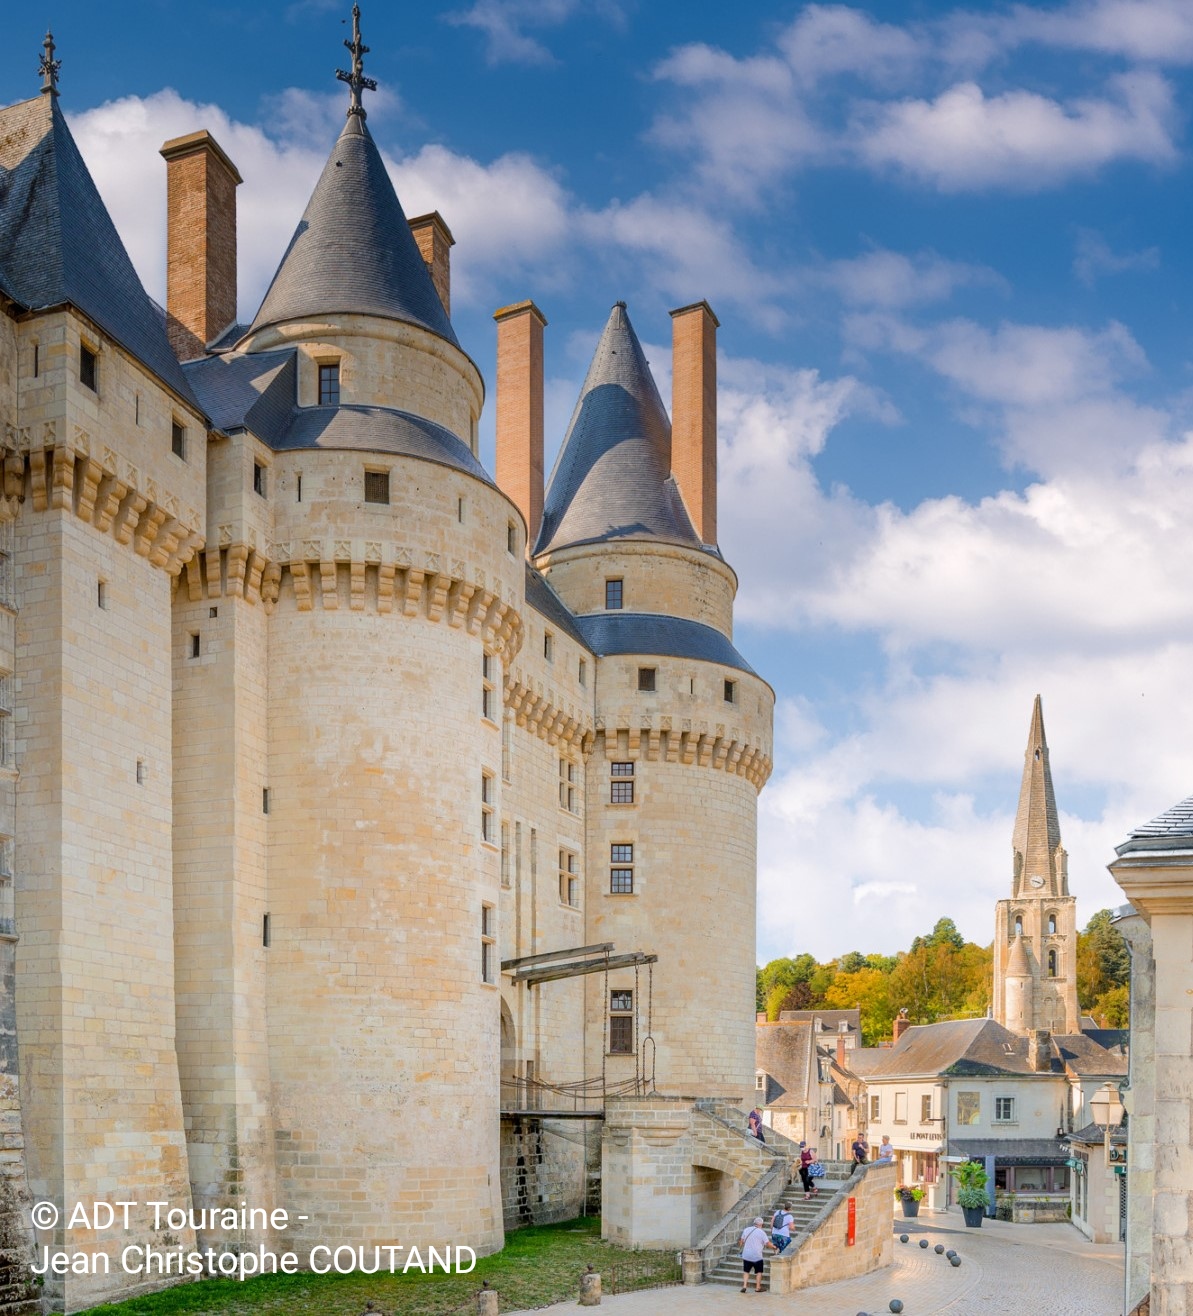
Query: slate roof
column 353, row 250
column 862, row 1061
column 969, row 1048
column 1011, row 1151
column 1173, row 829
column 612, row 478
column 783, row 1051
column 1087, row 1056
column 58, row 244
column 550, row 606
column 830, row 1020
column 651, row 633
column 256, row 391
column 1094, row 1135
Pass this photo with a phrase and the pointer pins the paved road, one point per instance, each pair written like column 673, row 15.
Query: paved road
column 1024, row 1270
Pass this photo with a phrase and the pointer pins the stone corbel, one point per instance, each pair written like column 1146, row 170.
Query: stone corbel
column 329, row 597
column 385, row 587
column 271, row 582
column 89, row 488
column 151, row 522
column 252, row 580
column 215, row 574
column 37, row 478
column 461, row 596
column 414, row 589
column 166, row 543
column 356, row 578
column 437, row 595
column 63, row 479
column 128, row 515
column 14, row 474
column 108, row 498
column 300, row 574
column 238, row 560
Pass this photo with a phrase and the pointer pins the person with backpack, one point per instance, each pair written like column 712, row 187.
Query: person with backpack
column 780, row 1228
column 754, row 1243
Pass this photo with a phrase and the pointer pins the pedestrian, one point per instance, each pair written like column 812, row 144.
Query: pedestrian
column 806, row 1156
column 754, row 1243
column 815, row 1171
column 861, row 1151
column 781, row 1227
column 886, row 1153
column 754, row 1121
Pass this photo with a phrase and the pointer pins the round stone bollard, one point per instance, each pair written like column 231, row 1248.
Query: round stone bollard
column 590, row 1288
column 902, row 1238
column 923, row 1242
column 896, row 1305
column 939, row 1249
column 954, row 1261
column 486, row 1301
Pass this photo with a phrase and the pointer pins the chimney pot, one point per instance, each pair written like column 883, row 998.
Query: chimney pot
column 694, row 413
column 520, row 410
column 201, row 183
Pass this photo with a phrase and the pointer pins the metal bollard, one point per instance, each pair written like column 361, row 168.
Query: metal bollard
column 590, row 1288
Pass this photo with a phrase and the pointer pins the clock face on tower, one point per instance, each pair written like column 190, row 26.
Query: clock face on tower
column 1037, row 881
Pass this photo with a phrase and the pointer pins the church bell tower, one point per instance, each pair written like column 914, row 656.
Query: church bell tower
column 1035, row 943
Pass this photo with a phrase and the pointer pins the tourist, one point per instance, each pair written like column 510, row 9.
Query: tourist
column 780, row 1228
column 806, row 1156
column 886, row 1153
column 754, row 1243
column 754, row 1120
column 861, row 1151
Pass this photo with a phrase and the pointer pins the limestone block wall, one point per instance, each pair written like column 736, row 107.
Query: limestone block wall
column 664, row 578
column 220, row 663
column 1140, row 1102
column 823, row 1256
column 383, row 854
column 543, row 1168
column 93, row 869
column 384, row 363
column 698, row 766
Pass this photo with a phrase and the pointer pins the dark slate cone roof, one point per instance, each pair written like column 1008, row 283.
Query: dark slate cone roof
column 353, row 250
column 58, row 244
column 612, row 478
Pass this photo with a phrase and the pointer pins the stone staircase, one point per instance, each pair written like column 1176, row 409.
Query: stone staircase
column 805, row 1213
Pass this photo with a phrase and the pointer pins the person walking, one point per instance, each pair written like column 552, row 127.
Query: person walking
column 781, row 1227
column 806, row 1156
column 754, row 1244
column 754, row 1123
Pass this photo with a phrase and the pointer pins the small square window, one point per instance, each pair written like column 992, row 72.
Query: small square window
column 621, row 784
column 178, row 440
column 259, row 479
column 621, row 1023
column 730, row 692
column 376, row 486
column 926, row 1109
column 874, row 1108
column 88, row 368
column 646, row 678
column 1004, row 1110
column 613, row 594
column 329, row 385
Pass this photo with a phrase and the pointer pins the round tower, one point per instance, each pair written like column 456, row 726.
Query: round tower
column 395, row 596
column 683, row 724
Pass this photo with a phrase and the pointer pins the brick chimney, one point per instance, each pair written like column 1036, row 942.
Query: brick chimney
column 694, row 413
column 435, row 243
column 900, row 1026
column 201, row 187
column 520, row 410
column 1039, row 1051
column 840, row 1050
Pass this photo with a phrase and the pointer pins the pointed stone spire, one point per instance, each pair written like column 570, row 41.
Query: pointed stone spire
column 612, row 479
column 1017, row 963
column 1039, row 859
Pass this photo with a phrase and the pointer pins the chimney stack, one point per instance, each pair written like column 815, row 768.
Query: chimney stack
column 435, row 243
column 840, row 1050
column 520, row 410
column 1039, row 1050
column 201, row 187
column 694, row 413
column 900, row 1026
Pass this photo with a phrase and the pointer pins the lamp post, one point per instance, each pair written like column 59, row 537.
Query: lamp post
column 1106, row 1107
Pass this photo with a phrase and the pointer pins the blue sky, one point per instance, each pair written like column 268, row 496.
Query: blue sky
column 948, row 248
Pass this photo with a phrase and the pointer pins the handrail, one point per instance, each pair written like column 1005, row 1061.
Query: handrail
column 725, row 1233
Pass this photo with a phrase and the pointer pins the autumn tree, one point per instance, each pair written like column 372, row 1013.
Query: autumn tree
column 1103, row 971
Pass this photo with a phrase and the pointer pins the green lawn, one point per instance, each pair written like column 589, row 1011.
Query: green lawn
column 537, row 1266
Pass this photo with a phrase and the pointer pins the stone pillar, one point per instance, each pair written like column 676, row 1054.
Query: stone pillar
column 435, row 243
column 520, row 410
column 590, row 1289
column 201, row 187
column 1155, row 869
column 694, row 413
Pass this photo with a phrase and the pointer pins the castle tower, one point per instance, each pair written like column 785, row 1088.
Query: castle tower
column 1035, row 942
column 100, row 516
column 683, row 729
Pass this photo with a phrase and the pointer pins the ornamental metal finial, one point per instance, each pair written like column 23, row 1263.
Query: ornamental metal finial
column 356, row 80
column 48, row 67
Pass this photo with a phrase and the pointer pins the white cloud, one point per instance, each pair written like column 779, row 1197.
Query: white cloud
column 891, row 279
column 504, row 24
column 1152, row 31
column 964, row 140
column 1095, row 258
column 825, row 40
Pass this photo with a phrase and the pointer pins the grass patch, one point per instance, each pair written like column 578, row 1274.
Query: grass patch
column 538, row 1265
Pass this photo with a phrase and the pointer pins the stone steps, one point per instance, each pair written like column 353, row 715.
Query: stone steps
column 729, row 1271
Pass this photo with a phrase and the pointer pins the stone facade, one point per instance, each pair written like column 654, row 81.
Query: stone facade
column 301, row 759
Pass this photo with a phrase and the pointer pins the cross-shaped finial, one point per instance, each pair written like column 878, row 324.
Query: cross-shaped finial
column 48, row 67
column 356, row 80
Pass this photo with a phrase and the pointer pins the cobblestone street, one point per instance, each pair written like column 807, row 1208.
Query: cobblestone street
column 1027, row 1270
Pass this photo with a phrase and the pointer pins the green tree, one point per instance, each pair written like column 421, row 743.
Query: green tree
column 1103, row 961
column 869, row 991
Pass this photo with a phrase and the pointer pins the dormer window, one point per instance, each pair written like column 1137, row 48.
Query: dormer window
column 329, row 385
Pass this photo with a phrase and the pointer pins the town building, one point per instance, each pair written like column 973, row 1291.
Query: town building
column 802, row 1082
column 345, row 788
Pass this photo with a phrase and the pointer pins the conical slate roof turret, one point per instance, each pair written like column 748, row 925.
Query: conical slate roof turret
column 1017, row 965
column 1036, row 837
column 612, row 478
column 58, row 245
column 353, row 250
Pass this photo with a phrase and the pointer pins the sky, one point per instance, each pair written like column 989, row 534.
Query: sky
column 948, row 248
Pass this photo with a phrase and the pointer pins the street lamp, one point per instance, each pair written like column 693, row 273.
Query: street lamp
column 1106, row 1107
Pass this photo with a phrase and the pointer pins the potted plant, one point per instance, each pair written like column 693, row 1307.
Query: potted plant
column 971, row 1180
column 909, row 1197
